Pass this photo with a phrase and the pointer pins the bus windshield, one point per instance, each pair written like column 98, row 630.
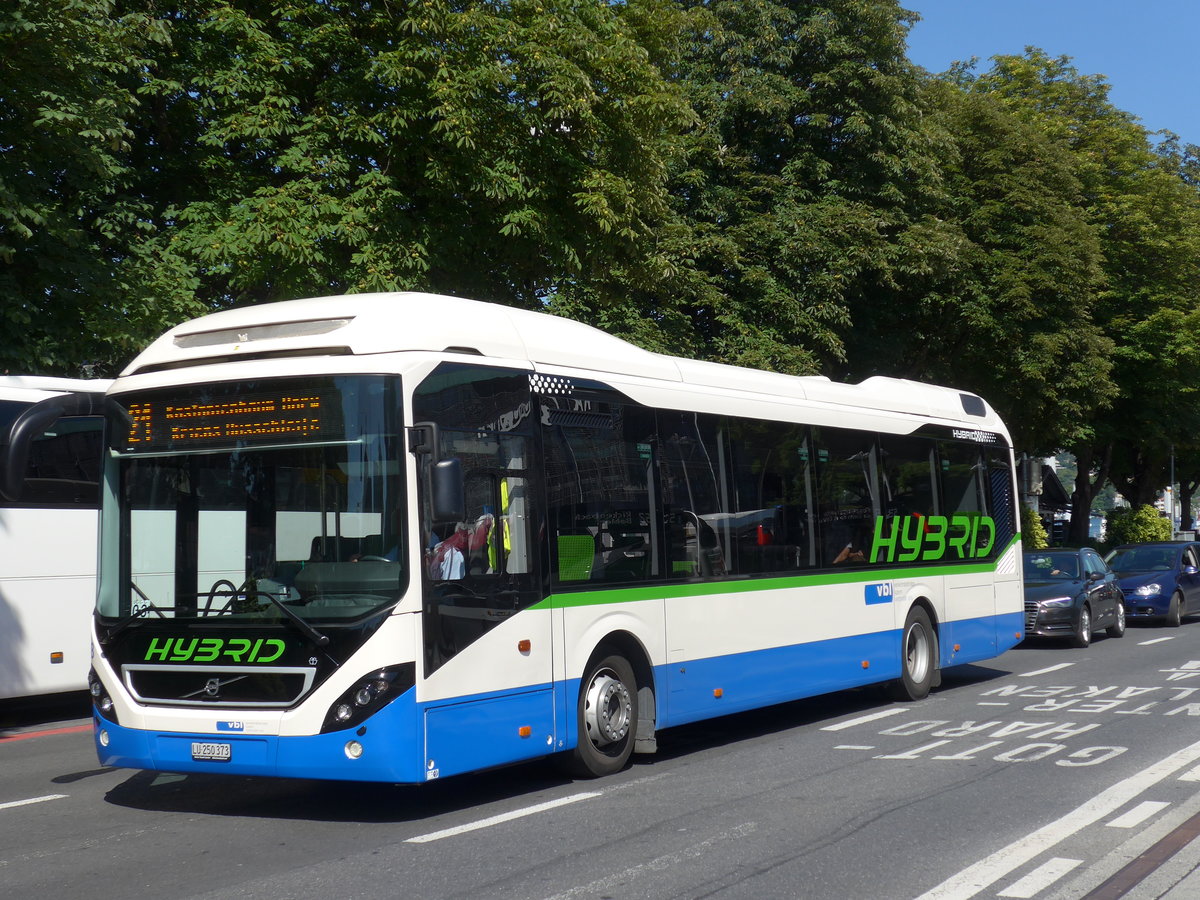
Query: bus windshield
column 255, row 502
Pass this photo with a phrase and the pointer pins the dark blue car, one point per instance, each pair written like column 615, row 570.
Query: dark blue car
column 1160, row 581
column 1071, row 594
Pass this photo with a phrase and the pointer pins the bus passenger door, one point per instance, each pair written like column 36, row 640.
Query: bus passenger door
column 486, row 692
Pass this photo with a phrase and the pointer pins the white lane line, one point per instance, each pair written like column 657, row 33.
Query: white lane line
column 1154, row 641
column 853, row 747
column 1046, row 670
column 991, row 703
column 12, row 804
column 1138, row 814
column 1191, row 775
column 503, row 817
column 862, row 720
column 974, row 878
column 1040, row 878
column 615, row 882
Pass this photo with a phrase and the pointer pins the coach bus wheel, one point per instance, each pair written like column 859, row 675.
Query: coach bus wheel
column 607, row 719
column 918, row 657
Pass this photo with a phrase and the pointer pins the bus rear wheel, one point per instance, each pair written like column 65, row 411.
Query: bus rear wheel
column 918, row 657
column 607, row 719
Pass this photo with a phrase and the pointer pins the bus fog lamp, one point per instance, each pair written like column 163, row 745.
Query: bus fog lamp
column 103, row 737
column 354, row 749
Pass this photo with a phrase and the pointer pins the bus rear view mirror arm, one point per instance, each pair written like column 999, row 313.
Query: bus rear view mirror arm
column 31, row 424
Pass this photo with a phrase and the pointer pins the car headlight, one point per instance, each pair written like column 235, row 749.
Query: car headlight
column 1149, row 590
column 1058, row 601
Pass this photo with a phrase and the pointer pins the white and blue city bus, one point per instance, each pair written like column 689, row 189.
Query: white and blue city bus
column 396, row 537
column 48, row 521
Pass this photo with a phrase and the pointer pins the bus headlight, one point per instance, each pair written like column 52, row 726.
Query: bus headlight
column 369, row 695
column 101, row 702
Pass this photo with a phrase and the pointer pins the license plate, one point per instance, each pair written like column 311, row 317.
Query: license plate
column 211, row 752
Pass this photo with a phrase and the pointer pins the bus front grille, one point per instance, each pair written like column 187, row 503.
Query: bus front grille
column 247, row 686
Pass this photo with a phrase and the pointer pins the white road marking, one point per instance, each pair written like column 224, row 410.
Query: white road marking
column 622, row 879
column 503, row 817
column 1154, row 641
column 853, row 747
column 1138, row 814
column 12, row 804
column 975, row 878
column 862, row 720
column 990, row 703
column 1191, row 775
column 1046, row 670
column 1040, row 878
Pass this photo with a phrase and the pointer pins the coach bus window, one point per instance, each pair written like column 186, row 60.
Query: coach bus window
column 600, row 471
column 689, row 466
column 769, row 520
column 847, row 494
column 64, row 464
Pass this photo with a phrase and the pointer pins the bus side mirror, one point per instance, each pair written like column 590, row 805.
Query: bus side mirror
column 32, row 424
column 449, row 496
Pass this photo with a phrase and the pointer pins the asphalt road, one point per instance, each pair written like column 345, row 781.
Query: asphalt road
column 1050, row 773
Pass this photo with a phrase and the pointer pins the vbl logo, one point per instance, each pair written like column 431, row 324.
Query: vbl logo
column 879, row 593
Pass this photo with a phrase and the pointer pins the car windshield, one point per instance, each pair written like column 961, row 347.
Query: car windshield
column 307, row 525
column 1051, row 566
column 1143, row 559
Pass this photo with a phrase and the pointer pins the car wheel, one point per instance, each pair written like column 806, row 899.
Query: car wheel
column 607, row 719
column 1117, row 628
column 1175, row 610
column 1083, row 630
column 918, row 658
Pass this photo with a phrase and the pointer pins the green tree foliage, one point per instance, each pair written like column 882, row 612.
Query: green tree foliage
column 483, row 148
column 797, row 199
column 81, row 285
column 1131, row 525
column 1033, row 532
column 999, row 297
column 1146, row 217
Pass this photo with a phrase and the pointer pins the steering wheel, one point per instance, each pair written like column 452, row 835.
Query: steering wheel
column 369, row 558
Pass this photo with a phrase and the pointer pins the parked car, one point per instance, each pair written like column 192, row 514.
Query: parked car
column 1160, row 581
column 1071, row 594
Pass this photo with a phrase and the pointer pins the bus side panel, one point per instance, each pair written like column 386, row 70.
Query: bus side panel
column 702, row 688
column 47, row 592
column 584, row 628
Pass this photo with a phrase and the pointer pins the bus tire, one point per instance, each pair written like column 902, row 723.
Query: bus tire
column 918, row 657
column 606, row 719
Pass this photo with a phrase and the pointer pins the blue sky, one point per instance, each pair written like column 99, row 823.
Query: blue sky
column 1146, row 48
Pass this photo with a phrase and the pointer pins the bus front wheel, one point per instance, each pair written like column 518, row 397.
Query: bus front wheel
column 918, row 657
column 607, row 719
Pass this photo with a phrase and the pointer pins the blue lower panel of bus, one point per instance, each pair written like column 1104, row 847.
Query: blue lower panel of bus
column 410, row 742
column 390, row 750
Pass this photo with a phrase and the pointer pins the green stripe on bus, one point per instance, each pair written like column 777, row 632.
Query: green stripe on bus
column 749, row 585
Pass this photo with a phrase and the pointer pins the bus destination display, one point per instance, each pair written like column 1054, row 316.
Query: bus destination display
column 251, row 418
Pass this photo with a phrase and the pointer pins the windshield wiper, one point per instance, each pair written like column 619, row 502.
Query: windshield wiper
column 296, row 619
column 138, row 613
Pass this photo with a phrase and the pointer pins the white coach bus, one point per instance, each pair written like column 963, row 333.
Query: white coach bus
column 48, row 518
column 396, row 537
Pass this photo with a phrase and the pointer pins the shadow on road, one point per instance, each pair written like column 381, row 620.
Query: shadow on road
column 270, row 798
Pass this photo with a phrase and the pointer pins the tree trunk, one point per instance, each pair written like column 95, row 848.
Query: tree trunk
column 1085, row 491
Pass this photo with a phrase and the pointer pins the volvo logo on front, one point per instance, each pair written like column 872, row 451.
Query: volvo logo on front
column 212, row 687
